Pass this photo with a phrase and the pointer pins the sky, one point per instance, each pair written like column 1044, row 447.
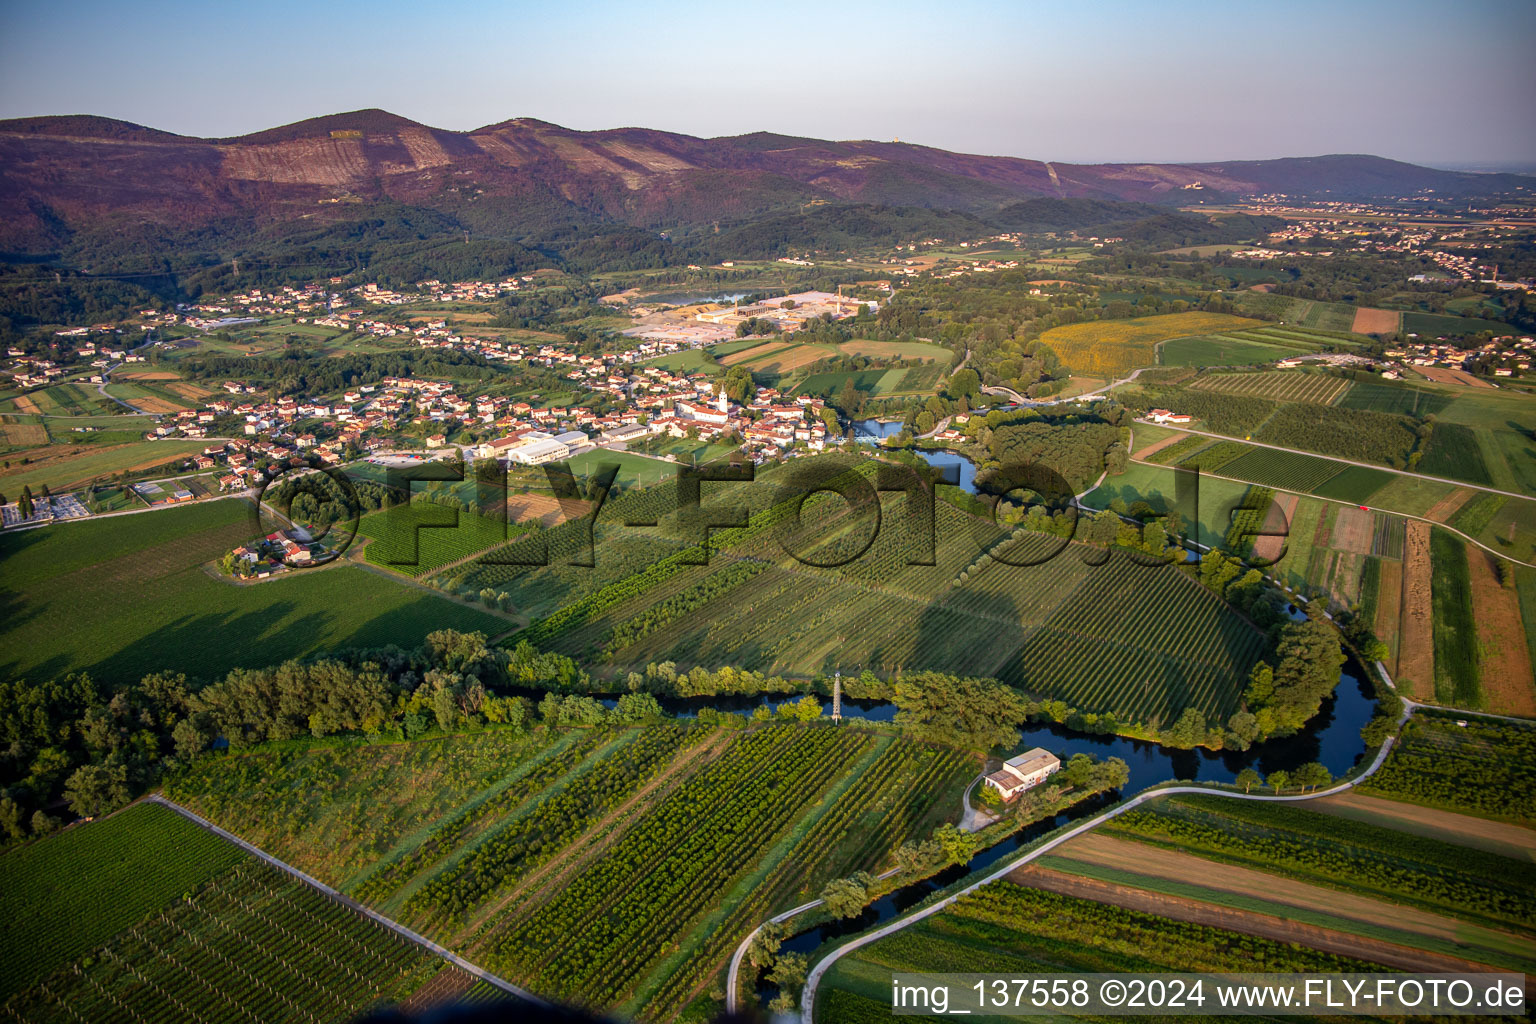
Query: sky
column 1434, row 83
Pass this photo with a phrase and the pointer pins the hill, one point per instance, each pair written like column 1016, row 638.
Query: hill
column 94, row 190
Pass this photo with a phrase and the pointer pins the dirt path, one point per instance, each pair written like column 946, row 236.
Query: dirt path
column 1269, row 927
column 1271, row 545
column 1508, row 683
column 1156, row 446
column 1442, row 510
column 1498, row 837
column 1416, row 644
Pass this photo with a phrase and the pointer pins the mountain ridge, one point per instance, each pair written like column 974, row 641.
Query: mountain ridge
column 61, row 175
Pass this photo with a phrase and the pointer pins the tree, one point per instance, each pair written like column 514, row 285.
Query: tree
column 789, row 971
column 1312, row 775
column 764, row 947
column 846, row 897
column 24, row 506
column 1248, row 778
column 1278, row 780
column 96, row 789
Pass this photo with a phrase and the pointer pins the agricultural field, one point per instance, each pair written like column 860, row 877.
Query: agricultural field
column 69, row 467
column 1458, row 671
column 755, row 607
column 897, row 350
column 1115, row 347
column 376, row 795
column 1127, row 626
column 1357, row 857
column 691, row 360
column 1171, row 861
column 1435, row 325
column 1221, row 350
column 1403, row 399
column 180, row 617
column 158, row 396
column 522, row 855
column 1014, row 929
column 73, row 399
column 1293, row 471
column 1453, row 452
column 1280, row 385
column 1485, row 767
column 147, row 916
column 22, row 431
column 874, row 382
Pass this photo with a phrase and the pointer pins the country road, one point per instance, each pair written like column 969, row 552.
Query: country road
column 1009, row 864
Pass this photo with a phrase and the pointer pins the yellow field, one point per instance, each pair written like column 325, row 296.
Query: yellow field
column 1113, row 347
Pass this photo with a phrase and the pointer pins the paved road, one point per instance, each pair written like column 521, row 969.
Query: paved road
column 397, row 928
column 808, row 995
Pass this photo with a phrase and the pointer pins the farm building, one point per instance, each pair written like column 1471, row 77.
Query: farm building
column 1169, row 416
column 1025, row 771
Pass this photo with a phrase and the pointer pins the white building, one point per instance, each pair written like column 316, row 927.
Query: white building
column 539, row 451
column 1023, row 772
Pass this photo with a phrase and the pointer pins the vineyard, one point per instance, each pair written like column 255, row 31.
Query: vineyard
column 1006, row 928
column 1280, row 385
column 595, row 938
column 559, row 817
column 972, row 612
column 892, row 800
column 554, row 856
column 1292, row 471
column 1350, row 855
column 1485, row 767
column 147, row 917
column 1142, row 642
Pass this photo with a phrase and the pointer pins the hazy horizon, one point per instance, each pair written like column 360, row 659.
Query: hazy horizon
column 1115, row 83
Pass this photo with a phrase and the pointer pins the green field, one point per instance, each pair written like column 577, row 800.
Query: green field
column 1434, row 325
column 65, row 467
column 1219, row 350
column 146, row 916
column 691, row 360
column 872, row 382
column 1457, row 675
column 1404, row 399
column 124, row 597
column 1293, row 471
column 1355, row 484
